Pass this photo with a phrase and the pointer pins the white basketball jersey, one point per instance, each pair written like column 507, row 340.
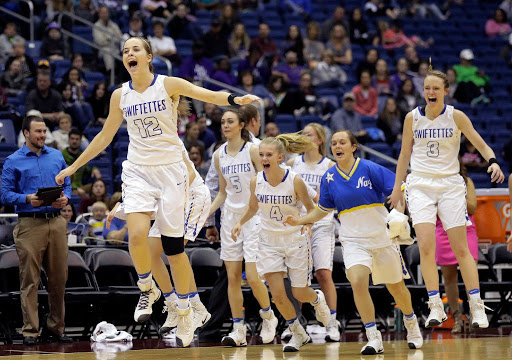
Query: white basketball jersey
column 436, row 143
column 151, row 118
column 254, row 139
column 198, row 180
column 312, row 176
column 277, row 202
column 238, row 172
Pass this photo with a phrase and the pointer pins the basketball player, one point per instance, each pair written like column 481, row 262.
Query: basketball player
column 430, row 142
column 311, row 166
column 155, row 174
column 277, row 192
column 356, row 188
column 237, row 162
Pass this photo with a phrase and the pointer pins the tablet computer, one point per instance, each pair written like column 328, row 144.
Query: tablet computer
column 49, row 194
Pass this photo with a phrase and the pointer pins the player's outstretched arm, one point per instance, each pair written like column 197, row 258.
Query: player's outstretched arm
column 396, row 196
column 250, row 211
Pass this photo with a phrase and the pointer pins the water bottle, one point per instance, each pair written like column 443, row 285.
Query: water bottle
column 399, row 320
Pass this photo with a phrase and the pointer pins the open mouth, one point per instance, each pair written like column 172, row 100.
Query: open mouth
column 266, row 166
column 339, row 153
column 132, row 64
column 432, row 100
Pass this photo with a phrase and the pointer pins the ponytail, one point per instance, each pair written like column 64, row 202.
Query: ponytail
column 293, row 143
column 437, row 73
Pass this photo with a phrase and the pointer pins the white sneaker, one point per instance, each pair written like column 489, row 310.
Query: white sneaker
column 172, row 317
column 322, row 311
column 268, row 327
column 286, row 334
column 333, row 331
column 201, row 315
column 437, row 314
column 414, row 337
column 477, row 314
column 237, row 337
column 299, row 338
column 185, row 329
column 374, row 345
column 150, row 294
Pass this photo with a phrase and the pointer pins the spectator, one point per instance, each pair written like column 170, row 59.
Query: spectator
column 191, row 133
column 222, row 73
column 28, row 68
column 61, row 135
column 290, row 72
column 338, row 18
column 257, row 64
column 181, row 27
column 408, row 98
column 77, row 61
column 228, row 20
column 12, row 80
column 54, row 8
column 40, row 234
column 97, row 192
column 207, row 4
column 418, row 9
column 117, row 233
column 313, row 48
column 163, row 45
column 471, row 158
column 68, row 212
column 394, row 37
column 3, row 100
column 390, row 121
column 359, row 33
column 297, row 7
column 396, row 79
column 266, row 46
column 217, row 42
column 81, row 112
column 413, row 60
column 348, row 119
column 45, row 99
column 85, row 10
column 271, row 129
column 206, row 136
column 135, row 29
column 368, row 64
column 366, row 97
column 247, row 83
column 197, row 66
column 339, row 44
column 499, row 25
column 239, row 42
column 100, row 102
column 50, row 141
column 53, row 46
column 78, row 84
column 506, row 6
column 327, row 73
column 285, row 100
column 71, row 153
column 467, row 72
column 506, row 51
column 107, row 35
column 97, row 221
column 294, row 42
column 377, row 8
column 420, row 77
column 380, row 81
column 155, row 8
column 7, row 40
column 451, row 76
column 196, row 153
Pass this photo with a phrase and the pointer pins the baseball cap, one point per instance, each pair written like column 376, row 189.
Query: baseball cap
column 467, row 54
column 34, row 112
column 43, row 63
column 349, row 95
column 54, row 25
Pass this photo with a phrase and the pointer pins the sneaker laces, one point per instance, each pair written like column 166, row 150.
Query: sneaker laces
column 266, row 325
column 144, row 300
column 479, row 305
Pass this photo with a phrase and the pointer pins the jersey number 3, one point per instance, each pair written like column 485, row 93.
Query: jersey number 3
column 276, row 214
column 433, row 149
column 148, row 127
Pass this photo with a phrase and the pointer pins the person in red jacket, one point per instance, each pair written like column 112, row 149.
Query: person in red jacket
column 366, row 96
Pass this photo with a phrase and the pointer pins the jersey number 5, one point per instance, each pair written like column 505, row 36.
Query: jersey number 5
column 276, row 214
column 433, row 149
column 148, row 126
column 235, row 184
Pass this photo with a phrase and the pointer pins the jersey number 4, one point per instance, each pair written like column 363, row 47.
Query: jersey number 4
column 433, row 149
column 148, row 127
column 276, row 214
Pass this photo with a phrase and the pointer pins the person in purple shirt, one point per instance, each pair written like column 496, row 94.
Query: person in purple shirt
column 206, row 135
column 291, row 70
column 196, row 66
column 223, row 74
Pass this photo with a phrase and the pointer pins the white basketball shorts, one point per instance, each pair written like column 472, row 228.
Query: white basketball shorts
column 322, row 246
column 158, row 189
column 246, row 246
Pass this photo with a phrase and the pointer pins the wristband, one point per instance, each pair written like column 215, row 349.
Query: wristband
column 493, row 161
column 231, row 100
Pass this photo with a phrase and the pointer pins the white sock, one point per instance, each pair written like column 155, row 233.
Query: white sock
column 195, row 298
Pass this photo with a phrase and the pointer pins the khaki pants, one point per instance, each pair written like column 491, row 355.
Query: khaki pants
column 42, row 242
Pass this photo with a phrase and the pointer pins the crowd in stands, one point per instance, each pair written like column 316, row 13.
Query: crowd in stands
column 358, row 66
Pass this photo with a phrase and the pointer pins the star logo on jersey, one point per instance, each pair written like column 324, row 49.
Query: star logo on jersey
column 329, row 177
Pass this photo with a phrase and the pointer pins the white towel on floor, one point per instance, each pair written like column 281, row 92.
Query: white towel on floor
column 106, row 332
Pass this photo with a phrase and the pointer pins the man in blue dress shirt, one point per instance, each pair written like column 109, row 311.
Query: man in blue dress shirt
column 40, row 234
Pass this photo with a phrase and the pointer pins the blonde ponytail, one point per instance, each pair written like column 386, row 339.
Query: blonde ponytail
column 293, row 143
column 437, row 73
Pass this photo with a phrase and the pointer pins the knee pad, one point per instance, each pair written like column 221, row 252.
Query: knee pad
column 173, row 245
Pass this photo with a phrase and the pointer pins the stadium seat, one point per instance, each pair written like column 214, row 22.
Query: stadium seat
column 7, row 133
column 113, row 270
column 206, row 264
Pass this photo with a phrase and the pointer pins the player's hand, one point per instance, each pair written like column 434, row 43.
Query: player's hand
column 291, row 220
column 246, row 99
column 60, row 202
column 496, row 173
column 306, row 229
column 59, row 179
column 212, row 234
column 509, row 243
column 235, row 233
column 34, row 200
column 395, row 199
column 111, row 215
